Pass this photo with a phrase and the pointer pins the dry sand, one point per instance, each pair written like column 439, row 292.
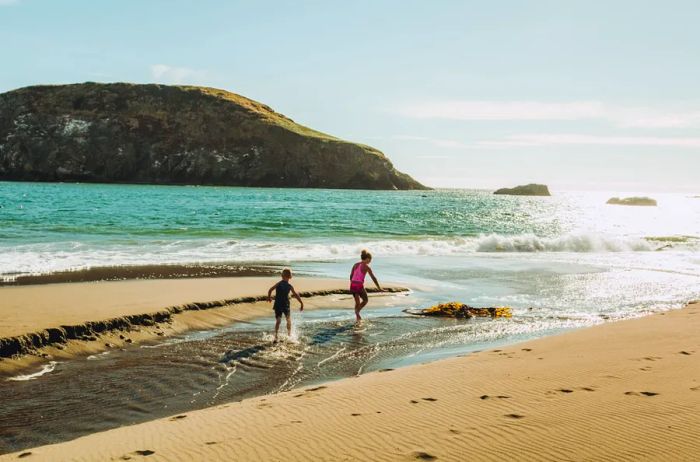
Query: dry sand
column 621, row 391
column 33, row 308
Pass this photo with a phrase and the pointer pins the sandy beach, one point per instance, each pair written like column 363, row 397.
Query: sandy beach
column 32, row 308
column 628, row 390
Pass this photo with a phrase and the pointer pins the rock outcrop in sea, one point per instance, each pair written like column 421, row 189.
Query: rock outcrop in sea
column 526, row 190
column 160, row 134
column 643, row 201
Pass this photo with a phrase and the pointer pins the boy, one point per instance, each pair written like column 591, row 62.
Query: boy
column 281, row 305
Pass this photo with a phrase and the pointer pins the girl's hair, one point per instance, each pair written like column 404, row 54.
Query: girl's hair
column 365, row 255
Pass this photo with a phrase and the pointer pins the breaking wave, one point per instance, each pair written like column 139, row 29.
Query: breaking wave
column 55, row 257
column 568, row 243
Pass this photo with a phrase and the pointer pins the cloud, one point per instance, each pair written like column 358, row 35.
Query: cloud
column 437, row 142
column 8, row 2
column 622, row 116
column 559, row 139
column 163, row 73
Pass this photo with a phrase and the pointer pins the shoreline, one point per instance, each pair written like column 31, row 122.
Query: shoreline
column 131, row 272
column 625, row 390
column 71, row 319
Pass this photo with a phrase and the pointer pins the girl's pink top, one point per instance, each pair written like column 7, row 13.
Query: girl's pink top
column 358, row 275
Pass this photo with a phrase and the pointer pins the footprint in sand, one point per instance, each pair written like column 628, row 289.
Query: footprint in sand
column 695, row 388
column 389, row 369
column 420, row 455
column 142, row 452
column 514, row 416
column 178, row 417
column 687, row 353
column 413, row 401
column 587, row 389
column 497, row 396
column 651, row 358
column 645, row 393
column 429, row 399
column 565, row 390
column 24, row 454
column 355, row 414
column 209, row 443
column 316, row 388
column 526, row 349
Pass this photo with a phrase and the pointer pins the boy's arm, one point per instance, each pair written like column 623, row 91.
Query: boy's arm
column 371, row 274
column 269, row 293
column 296, row 295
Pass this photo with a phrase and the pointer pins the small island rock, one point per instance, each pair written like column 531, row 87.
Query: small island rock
column 644, row 201
column 526, row 190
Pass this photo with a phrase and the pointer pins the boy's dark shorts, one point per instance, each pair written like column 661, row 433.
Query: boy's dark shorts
column 281, row 310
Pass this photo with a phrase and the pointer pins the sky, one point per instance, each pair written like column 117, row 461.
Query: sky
column 580, row 95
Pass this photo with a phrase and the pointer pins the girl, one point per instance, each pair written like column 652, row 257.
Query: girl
column 357, row 281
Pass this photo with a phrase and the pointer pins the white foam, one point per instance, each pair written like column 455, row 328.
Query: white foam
column 588, row 243
column 66, row 256
column 47, row 368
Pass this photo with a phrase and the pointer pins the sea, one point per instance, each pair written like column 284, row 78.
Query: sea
column 562, row 262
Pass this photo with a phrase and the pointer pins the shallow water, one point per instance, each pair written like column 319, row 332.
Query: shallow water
column 212, row 367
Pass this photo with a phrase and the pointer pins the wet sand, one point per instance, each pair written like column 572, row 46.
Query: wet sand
column 120, row 273
column 628, row 390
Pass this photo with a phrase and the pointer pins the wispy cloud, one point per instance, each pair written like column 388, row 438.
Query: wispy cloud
column 558, row 139
column 437, row 142
column 8, row 2
column 163, row 73
column 622, row 116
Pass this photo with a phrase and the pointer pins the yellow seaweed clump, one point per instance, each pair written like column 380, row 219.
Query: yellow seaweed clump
column 461, row 310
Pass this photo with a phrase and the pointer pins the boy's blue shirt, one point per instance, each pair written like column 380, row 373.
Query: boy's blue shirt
column 282, row 294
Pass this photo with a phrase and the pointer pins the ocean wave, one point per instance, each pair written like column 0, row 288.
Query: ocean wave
column 47, row 258
column 568, row 243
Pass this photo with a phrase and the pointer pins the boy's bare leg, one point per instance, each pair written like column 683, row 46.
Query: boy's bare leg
column 277, row 326
column 289, row 325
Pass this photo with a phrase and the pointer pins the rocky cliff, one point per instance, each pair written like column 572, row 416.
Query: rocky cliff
column 175, row 135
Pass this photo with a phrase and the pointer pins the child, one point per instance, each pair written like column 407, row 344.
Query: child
column 281, row 305
column 357, row 281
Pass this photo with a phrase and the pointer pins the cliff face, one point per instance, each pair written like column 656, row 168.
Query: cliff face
column 175, row 135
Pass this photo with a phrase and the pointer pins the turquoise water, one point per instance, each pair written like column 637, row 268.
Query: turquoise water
column 567, row 252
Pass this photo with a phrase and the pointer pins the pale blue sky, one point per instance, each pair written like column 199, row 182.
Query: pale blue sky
column 576, row 94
